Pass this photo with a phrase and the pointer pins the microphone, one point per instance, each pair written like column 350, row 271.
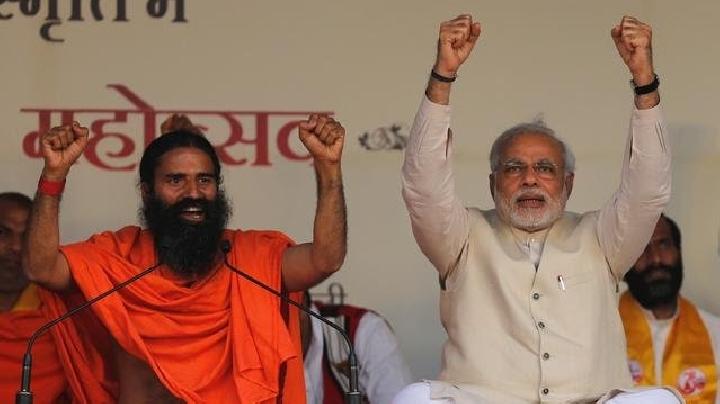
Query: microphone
column 24, row 395
column 353, row 396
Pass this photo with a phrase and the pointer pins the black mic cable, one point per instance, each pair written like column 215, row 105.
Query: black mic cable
column 353, row 396
column 24, row 395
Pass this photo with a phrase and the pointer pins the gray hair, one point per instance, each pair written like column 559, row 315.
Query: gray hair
column 536, row 126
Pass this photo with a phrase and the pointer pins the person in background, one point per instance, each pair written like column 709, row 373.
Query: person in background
column 383, row 371
column 21, row 312
column 670, row 341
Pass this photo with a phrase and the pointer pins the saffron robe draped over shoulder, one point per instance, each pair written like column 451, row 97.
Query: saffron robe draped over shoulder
column 220, row 339
column 16, row 327
column 67, row 364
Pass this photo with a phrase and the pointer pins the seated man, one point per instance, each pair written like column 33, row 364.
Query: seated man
column 21, row 313
column 192, row 330
column 383, row 371
column 669, row 340
column 528, row 291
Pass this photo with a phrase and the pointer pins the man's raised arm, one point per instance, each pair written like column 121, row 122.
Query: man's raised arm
column 439, row 220
column 627, row 220
column 305, row 265
column 42, row 261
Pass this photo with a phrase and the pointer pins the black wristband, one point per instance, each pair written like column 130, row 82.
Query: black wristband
column 648, row 88
column 441, row 78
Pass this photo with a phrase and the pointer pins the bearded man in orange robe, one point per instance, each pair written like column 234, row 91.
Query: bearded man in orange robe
column 192, row 330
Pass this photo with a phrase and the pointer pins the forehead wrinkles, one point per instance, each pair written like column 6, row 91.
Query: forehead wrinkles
column 533, row 145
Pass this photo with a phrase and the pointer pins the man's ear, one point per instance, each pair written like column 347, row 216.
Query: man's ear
column 491, row 177
column 569, row 180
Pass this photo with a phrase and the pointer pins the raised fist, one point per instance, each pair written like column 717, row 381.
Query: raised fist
column 323, row 137
column 455, row 42
column 61, row 147
column 633, row 40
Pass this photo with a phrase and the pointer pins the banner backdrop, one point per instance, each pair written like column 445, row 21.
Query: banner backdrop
column 247, row 72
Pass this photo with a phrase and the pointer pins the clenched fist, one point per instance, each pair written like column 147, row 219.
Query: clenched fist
column 633, row 40
column 61, row 147
column 456, row 40
column 323, row 137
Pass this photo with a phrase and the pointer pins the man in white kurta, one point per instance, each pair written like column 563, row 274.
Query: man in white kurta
column 383, row 371
column 528, row 291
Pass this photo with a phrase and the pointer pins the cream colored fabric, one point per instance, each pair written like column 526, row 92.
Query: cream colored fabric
column 420, row 393
column 577, row 327
column 502, row 317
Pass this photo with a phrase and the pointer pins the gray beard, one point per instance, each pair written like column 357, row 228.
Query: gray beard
column 529, row 219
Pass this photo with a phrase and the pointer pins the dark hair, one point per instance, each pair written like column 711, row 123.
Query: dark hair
column 21, row 200
column 674, row 230
column 169, row 141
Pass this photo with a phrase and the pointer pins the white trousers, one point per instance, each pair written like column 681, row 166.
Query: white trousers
column 419, row 393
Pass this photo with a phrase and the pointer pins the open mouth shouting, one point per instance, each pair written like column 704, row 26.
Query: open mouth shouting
column 530, row 201
column 193, row 214
column 192, row 210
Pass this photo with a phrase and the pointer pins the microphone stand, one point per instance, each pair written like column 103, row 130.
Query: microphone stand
column 353, row 396
column 24, row 395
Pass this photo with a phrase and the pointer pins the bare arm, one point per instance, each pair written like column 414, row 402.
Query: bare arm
column 305, row 265
column 42, row 261
column 627, row 221
column 439, row 220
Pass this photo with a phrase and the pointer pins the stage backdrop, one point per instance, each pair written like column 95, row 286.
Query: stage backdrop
column 248, row 71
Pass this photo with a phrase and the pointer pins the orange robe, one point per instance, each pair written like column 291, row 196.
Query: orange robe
column 67, row 365
column 48, row 381
column 221, row 339
column 84, row 348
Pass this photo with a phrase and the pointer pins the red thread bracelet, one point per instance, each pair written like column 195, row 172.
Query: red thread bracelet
column 51, row 188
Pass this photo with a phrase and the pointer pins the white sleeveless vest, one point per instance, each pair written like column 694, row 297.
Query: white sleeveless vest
column 551, row 335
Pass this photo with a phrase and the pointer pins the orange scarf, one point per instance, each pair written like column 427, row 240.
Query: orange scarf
column 221, row 339
column 688, row 360
column 16, row 326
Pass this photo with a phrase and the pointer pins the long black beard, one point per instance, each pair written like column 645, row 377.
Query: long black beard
column 189, row 249
column 659, row 292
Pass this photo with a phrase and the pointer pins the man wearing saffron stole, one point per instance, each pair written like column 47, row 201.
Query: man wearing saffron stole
column 670, row 341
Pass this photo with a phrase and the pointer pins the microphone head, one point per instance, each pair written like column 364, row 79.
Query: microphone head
column 225, row 246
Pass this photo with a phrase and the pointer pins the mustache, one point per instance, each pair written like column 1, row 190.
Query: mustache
column 654, row 269
column 11, row 261
column 12, row 257
column 657, row 284
column 530, row 193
